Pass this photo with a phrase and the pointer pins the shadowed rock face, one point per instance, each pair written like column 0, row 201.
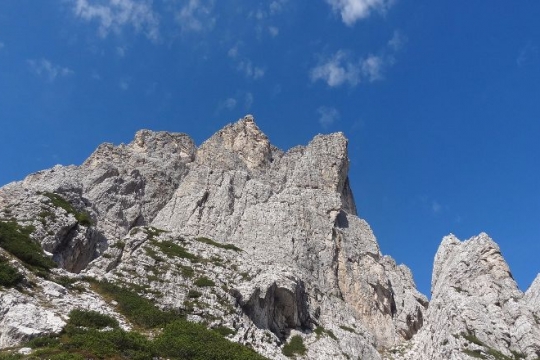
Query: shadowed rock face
column 306, row 261
column 278, row 303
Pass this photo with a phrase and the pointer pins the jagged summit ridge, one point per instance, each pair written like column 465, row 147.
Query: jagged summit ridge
column 275, row 236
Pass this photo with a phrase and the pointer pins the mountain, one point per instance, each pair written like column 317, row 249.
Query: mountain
column 262, row 246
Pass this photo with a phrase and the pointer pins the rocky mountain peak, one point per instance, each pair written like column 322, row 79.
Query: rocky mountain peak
column 263, row 244
column 238, row 145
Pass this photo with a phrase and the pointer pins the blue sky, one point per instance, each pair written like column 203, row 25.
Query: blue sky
column 440, row 100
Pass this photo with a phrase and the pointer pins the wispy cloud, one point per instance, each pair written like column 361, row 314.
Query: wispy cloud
column 249, row 70
column 327, row 116
column 124, row 84
column 114, row 15
column 397, row 41
column 273, row 30
column 50, row 71
column 528, row 53
column 353, row 10
column 196, row 16
column 2, row 45
column 435, row 207
column 341, row 69
column 245, row 65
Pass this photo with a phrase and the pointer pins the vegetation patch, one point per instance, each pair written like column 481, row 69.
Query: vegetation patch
column 294, row 347
column 9, row 276
column 472, row 338
column 56, row 200
column 321, row 331
column 203, row 281
column 187, row 271
column 349, row 329
column 194, row 294
column 216, row 244
column 474, row 353
column 138, row 310
column 153, row 232
column 16, row 240
column 85, row 337
column 172, row 249
column 224, row 331
column 91, row 319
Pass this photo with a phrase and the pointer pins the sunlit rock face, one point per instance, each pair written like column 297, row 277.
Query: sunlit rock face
column 476, row 307
column 274, row 237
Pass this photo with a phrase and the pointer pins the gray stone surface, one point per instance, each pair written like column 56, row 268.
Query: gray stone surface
column 303, row 262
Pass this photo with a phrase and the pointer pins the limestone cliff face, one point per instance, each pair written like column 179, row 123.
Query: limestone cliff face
column 295, row 208
column 298, row 259
column 476, row 308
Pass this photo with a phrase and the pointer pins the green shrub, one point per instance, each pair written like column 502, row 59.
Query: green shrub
column 9, row 276
column 474, row 353
column 346, row 328
column 56, row 200
column 16, row 240
column 91, row 319
column 172, row 249
column 187, row 271
column 224, row 331
column 320, row 331
column 186, row 340
column 203, row 281
column 219, row 245
column 180, row 339
column 194, row 294
column 472, row 338
column 137, row 309
column 294, row 347
column 65, row 281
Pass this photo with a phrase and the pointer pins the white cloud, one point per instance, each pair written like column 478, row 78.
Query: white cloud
column 527, row 54
column 113, row 15
column 337, row 70
column 196, row 16
column 124, row 84
column 250, row 70
column 273, row 30
column 121, row 51
column 327, row 116
column 45, row 68
column 397, row 41
column 248, row 100
column 230, row 103
column 436, row 207
column 233, row 52
column 341, row 68
column 354, row 10
column 277, row 6
column 372, row 67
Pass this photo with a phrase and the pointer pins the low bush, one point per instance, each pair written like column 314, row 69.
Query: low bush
column 180, row 339
column 56, row 200
column 203, row 281
column 216, row 244
column 186, row 340
column 294, row 347
column 172, row 249
column 9, row 276
column 91, row 319
column 137, row 309
column 16, row 240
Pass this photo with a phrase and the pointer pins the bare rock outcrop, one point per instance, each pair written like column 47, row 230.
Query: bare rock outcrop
column 265, row 243
column 476, row 308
